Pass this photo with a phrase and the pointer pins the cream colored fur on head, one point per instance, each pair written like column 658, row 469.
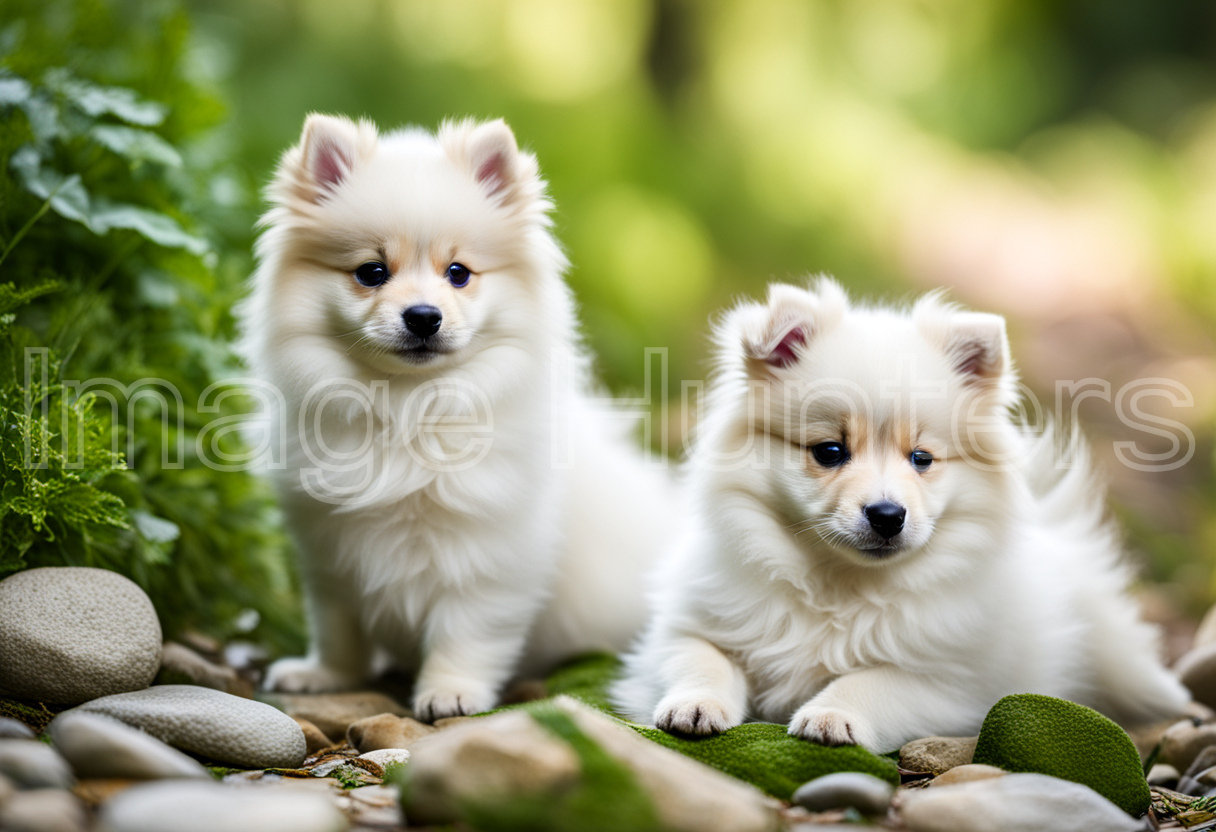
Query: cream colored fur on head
column 461, row 509
column 785, row 604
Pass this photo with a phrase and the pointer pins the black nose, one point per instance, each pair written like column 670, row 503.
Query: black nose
column 423, row 321
column 886, row 518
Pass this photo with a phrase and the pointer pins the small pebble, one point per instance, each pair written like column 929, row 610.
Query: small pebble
column 181, row 665
column 34, row 765
column 386, row 731
column 1014, row 803
column 313, row 736
column 97, row 746
column 967, row 774
column 333, row 713
column 200, row 806
column 210, row 723
column 15, row 729
column 43, row 810
column 383, row 756
column 1163, row 775
column 937, row 754
column 1197, row 670
column 845, row 789
column 1184, row 741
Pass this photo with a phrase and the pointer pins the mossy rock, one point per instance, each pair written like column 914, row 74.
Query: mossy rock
column 606, row 798
column 760, row 753
column 1028, row 732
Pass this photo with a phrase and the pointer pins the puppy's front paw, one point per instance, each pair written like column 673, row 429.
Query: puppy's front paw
column 306, row 675
column 441, row 703
column 829, row 726
column 703, row 715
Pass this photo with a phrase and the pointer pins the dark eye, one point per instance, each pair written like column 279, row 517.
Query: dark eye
column 372, row 274
column 921, row 459
column 458, row 275
column 830, row 454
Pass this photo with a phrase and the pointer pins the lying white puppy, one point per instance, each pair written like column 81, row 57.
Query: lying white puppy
column 879, row 552
column 457, row 500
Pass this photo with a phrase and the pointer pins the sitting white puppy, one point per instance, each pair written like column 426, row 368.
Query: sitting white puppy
column 879, row 552
column 457, row 500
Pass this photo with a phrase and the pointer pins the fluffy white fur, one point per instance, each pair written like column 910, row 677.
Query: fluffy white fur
column 781, row 604
column 462, row 573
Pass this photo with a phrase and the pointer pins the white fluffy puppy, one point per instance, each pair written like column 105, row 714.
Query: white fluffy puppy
column 455, row 496
column 879, row 552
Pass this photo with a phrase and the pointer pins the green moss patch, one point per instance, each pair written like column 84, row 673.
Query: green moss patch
column 34, row 714
column 760, row 753
column 1029, row 732
column 765, row 755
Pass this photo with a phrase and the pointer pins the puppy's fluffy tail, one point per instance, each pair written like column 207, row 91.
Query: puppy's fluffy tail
column 1129, row 682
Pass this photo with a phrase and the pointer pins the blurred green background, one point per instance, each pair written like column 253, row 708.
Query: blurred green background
column 1051, row 161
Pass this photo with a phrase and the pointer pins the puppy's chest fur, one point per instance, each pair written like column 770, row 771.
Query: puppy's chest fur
column 417, row 525
column 792, row 642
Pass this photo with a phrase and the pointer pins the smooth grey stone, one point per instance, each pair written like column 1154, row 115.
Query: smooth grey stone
column 210, row 723
column 43, row 810
column 1014, row 803
column 1163, row 774
column 1197, row 670
column 69, row 634
column 98, row 746
column 844, row 789
column 198, row 806
column 15, row 729
column 34, row 765
column 937, row 754
column 1184, row 741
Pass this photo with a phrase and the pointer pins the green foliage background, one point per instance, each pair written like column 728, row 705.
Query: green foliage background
column 109, row 273
column 1048, row 160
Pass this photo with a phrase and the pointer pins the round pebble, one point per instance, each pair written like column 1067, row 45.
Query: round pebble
column 43, row 810
column 69, row 634
column 1163, row 775
column 34, row 765
column 384, row 756
column 15, row 729
column 97, row 746
column 845, row 789
column 1197, row 670
column 1184, row 741
column 966, row 774
column 197, row 806
column 386, row 731
column 1014, row 803
column 212, row 724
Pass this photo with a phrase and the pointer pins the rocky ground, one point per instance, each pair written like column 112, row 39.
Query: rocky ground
column 105, row 726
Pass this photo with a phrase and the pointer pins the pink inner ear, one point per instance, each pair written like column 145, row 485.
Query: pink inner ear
column 329, row 165
column 493, row 173
column 783, row 355
column 973, row 360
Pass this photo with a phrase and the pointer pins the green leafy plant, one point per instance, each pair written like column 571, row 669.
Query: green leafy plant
column 115, row 322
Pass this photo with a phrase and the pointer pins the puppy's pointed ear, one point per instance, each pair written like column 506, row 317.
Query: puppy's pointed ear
column 974, row 343
column 775, row 336
column 977, row 346
column 490, row 154
column 330, row 148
